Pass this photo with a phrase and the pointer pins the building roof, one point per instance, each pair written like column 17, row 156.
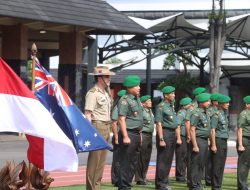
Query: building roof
column 157, row 76
column 92, row 16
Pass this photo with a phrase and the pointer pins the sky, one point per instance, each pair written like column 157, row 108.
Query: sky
column 129, row 5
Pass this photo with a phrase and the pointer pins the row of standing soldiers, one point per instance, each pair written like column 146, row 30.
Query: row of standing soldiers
column 197, row 128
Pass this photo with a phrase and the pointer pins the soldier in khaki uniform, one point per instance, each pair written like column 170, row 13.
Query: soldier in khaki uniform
column 98, row 110
column 200, row 132
column 219, row 136
column 146, row 147
column 166, row 124
column 243, row 146
column 130, row 121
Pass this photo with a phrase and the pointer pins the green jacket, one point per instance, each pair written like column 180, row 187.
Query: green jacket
column 219, row 122
column 130, row 107
column 201, row 121
column 165, row 114
column 148, row 121
column 244, row 122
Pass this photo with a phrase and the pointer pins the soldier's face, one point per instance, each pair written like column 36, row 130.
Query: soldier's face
column 225, row 106
column 170, row 97
column 106, row 80
column 147, row 104
column 134, row 90
column 205, row 104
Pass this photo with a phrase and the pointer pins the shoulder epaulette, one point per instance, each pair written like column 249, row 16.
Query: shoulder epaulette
column 92, row 89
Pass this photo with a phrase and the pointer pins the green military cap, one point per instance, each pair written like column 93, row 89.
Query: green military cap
column 203, row 97
column 121, row 93
column 185, row 101
column 198, row 90
column 247, row 99
column 223, row 99
column 131, row 81
column 215, row 96
column 168, row 89
column 145, row 98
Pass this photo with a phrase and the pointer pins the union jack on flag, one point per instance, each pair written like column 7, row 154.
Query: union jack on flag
column 44, row 78
column 67, row 115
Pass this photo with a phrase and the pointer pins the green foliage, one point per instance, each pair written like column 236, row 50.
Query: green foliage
column 182, row 82
column 113, row 60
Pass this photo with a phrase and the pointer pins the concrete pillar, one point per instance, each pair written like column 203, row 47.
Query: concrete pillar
column 70, row 68
column 14, row 46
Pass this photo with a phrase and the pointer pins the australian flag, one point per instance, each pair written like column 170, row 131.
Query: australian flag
column 67, row 115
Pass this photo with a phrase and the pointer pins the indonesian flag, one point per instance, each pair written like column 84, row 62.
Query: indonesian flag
column 49, row 148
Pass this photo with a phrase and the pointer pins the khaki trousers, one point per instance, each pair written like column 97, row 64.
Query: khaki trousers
column 96, row 159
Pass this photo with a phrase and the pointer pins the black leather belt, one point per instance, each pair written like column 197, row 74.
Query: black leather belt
column 135, row 130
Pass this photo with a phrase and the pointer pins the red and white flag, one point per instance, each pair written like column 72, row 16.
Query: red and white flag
column 49, row 148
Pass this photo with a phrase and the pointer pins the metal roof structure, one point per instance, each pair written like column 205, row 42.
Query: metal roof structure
column 89, row 16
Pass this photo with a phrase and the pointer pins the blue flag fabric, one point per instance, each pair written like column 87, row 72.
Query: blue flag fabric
column 67, row 115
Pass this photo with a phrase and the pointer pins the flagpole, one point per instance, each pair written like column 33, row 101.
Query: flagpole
column 33, row 56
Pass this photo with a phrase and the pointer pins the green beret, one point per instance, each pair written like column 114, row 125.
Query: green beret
column 215, row 96
column 168, row 89
column 121, row 93
column 185, row 101
column 203, row 97
column 247, row 99
column 198, row 90
column 223, row 99
column 145, row 98
column 131, row 81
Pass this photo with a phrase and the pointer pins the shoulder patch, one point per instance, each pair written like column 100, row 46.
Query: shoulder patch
column 92, row 89
column 124, row 102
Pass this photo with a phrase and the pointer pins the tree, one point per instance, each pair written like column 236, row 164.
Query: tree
column 113, row 60
column 217, row 41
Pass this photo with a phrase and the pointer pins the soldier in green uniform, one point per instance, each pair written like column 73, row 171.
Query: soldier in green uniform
column 166, row 124
column 243, row 146
column 115, row 162
column 211, row 110
column 181, row 142
column 98, row 111
column 130, row 121
column 200, row 132
column 146, row 147
column 219, row 136
column 195, row 93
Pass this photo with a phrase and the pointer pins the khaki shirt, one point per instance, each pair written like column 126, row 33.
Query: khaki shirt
column 99, row 103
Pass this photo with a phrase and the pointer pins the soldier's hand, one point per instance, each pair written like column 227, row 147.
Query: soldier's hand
column 241, row 148
column 162, row 144
column 214, row 149
column 116, row 141
column 188, row 139
column 126, row 140
column 178, row 141
column 196, row 149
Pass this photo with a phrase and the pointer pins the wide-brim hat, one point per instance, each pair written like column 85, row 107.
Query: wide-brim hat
column 102, row 70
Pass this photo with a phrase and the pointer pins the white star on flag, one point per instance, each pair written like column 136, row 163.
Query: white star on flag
column 77, row 132
column 95, row 135
column 87, row 144
column 51, row 113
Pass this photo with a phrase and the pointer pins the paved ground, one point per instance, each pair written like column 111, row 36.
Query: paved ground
column 13, row 147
